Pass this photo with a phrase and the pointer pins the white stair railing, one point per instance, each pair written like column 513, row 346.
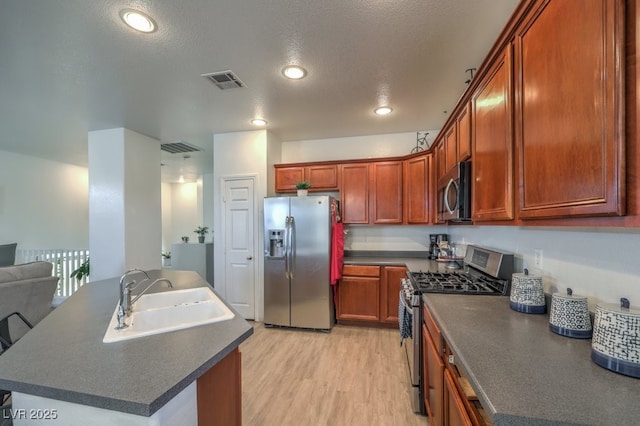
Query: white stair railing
column 65, row 261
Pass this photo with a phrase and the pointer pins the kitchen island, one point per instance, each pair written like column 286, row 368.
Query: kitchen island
column 63, row 360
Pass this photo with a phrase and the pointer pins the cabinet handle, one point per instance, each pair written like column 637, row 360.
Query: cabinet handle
column 249, row 257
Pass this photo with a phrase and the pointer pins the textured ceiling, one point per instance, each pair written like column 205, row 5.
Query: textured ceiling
column 68, row 67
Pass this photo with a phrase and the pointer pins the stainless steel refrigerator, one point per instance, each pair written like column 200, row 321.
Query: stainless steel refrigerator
column 297, row 245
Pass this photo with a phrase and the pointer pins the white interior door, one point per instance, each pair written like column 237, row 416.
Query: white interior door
column 239, row 238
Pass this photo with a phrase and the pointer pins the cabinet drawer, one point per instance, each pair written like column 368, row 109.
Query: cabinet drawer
column 361, row 270
column 434, row 331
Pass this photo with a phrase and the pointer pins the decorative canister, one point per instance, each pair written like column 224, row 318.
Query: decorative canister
column 527, row 294
column 616, row 338
column 570, row 315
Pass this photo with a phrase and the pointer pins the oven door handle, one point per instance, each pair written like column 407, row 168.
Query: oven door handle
column 404, row 301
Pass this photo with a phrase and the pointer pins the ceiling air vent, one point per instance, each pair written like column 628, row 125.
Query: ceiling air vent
column 179, row 146
column 225, row 80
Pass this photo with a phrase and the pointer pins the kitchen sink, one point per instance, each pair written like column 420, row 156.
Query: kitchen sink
column 169, row 311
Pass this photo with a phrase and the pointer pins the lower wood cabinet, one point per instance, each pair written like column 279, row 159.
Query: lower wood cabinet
column 433, row 375
column 220, row 393
column 455, row 411
column 369, row 294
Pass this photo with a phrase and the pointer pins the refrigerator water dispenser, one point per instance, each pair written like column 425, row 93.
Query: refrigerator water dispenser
column 276, row 242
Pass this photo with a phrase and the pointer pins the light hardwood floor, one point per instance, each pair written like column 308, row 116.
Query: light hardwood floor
column 351, row 376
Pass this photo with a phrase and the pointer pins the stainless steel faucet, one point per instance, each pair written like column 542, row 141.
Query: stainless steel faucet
column 125, row 302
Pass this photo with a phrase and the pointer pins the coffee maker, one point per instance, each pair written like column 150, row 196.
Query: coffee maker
column 434, row 244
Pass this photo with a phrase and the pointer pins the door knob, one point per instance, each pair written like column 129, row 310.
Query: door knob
column 249, row 257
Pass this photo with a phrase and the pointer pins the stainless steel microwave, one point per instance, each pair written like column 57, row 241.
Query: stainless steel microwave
column 454, row 194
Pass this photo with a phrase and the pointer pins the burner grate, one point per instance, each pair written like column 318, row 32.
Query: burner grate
column 457, row 282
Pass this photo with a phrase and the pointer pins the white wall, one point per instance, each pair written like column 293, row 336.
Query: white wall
column 43, row 204
column 239, row 154
column 599, row 263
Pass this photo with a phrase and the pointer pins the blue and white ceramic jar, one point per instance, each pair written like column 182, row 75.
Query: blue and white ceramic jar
column 616, row 338
column 527, row 294
column 569, row 315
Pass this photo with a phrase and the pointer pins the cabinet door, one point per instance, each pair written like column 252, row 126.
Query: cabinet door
column 386, row 192
column 286, row 178
column 440, row 159
column 456, row 414
column 450, row 148
column 416, row 189
column 354, row 194
column 390, row 292
column 322, row 177
column 358, row 298
column 464, row 133
column 570, row 135
column 492, row 167
column 433, row 366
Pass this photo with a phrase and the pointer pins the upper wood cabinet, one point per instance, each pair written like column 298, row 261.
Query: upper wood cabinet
column 354, row 192
column 463, row 123
column 386, row 192
column 439, row 158
column 323, row 177
column 450, row 147
column 570, row 132
column 491, row 124
column 417, row 181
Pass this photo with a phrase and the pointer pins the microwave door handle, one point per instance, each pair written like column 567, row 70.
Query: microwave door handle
column 446, row 198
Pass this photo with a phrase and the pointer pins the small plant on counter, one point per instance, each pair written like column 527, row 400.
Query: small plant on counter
column 166, row 255
column 303, row 184
column 185, row 239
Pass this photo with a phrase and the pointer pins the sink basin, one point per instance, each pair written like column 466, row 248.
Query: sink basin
column 169, row 311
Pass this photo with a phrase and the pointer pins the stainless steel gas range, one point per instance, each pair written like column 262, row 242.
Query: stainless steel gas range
column 484, row 272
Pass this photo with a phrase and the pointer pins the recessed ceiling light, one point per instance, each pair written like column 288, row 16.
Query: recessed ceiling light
column 138, row 20
column 294, row 72
column 259, row 122
column 383, row 110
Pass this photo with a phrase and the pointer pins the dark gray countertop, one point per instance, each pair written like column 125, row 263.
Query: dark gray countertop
column 523, row 373
column 414, row 261
column 64, row 358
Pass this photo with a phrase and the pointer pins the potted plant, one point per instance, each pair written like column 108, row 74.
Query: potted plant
column 82, row 271
column 185, row 239
column 303, row 187
column 201, row 231
column 166, row 258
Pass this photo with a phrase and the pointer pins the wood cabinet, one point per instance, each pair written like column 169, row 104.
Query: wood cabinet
column 359, row 293
column 219, row 393
column 491, row 124
column 417, row 189
column 386, row 192
column 354, row 192
column 433, row 371
column 450, row 147
column 463, row 123
column 371, row 192
column 455, row 411
column 369, row 294
column 570, row 109
column 390, row 292
column 439, row 158
column 323, row 177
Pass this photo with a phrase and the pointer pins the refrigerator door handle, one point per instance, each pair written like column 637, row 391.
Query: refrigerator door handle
column 286, row 247
column 292, row 247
